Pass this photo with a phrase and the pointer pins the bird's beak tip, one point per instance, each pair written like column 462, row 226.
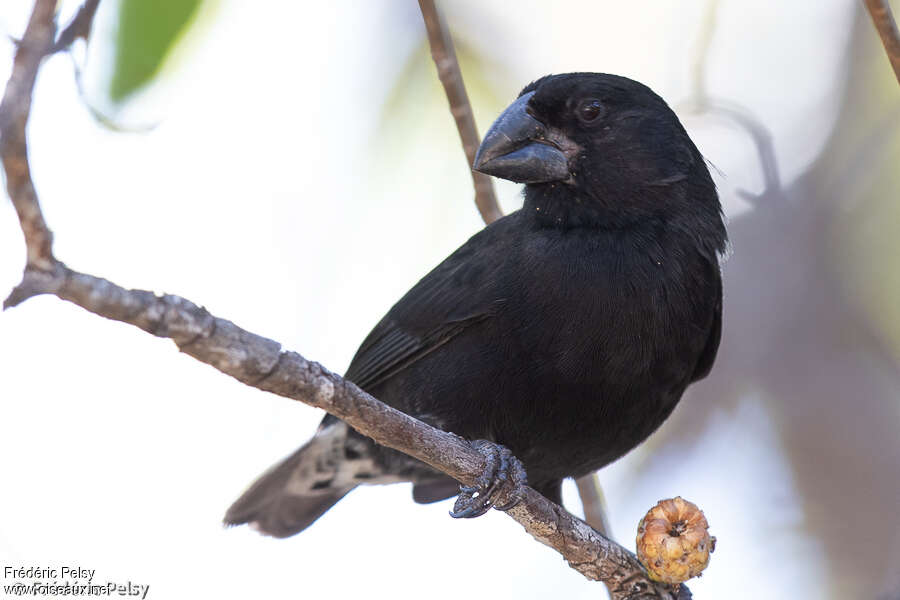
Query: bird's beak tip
column 509, row 150
column 478, row 162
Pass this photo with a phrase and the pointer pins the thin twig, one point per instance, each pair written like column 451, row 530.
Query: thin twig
column 701, row 102
column 762, row 141
column 701, row 50
column 261, row 363
column 79, row 27
column 594, row 503
column 14, row 110
column 883, row 19
column 444, row 56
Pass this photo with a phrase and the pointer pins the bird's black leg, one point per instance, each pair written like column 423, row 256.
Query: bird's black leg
column 503, row 480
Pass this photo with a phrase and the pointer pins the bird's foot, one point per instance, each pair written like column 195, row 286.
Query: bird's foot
column 503, row 481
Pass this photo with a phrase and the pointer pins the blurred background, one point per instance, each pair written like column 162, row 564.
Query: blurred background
column 294, row 168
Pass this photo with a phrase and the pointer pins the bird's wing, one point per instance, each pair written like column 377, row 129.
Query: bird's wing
column 708, row 356
column 458, row 294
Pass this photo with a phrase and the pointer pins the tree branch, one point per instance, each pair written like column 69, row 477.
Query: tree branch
column 444, row 56
column 594, row 503
column 14, row 110
column 883, row 19
column 261, row 363
column 79, row 27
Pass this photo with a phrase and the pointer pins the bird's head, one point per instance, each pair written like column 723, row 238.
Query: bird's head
column 598, row 149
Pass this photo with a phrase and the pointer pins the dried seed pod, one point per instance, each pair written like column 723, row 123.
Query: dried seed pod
column 673, row 541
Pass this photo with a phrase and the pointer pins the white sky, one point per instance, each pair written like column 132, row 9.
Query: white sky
column 269, row 193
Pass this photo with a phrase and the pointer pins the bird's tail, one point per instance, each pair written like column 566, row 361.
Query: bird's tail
column 290, row 496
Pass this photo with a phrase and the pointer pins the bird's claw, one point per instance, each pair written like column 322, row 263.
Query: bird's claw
column 503, row 480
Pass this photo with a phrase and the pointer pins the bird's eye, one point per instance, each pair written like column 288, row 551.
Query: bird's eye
column 589, row 110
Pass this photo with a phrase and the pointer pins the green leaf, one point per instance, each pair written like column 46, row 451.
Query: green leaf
column 147, row 32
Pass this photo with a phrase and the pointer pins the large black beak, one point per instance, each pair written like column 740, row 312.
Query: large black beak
column 515, row 148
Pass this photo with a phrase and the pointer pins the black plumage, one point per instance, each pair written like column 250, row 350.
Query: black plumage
column 566, row 331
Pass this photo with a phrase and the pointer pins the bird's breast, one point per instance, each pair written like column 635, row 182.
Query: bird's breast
column 603, row 306
column 608, row 332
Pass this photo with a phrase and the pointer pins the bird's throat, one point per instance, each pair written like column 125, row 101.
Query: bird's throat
column 560, row 206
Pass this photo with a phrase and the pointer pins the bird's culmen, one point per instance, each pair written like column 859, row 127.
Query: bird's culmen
column 566, row 332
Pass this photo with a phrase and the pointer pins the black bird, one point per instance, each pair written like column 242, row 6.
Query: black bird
column 566, row 331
